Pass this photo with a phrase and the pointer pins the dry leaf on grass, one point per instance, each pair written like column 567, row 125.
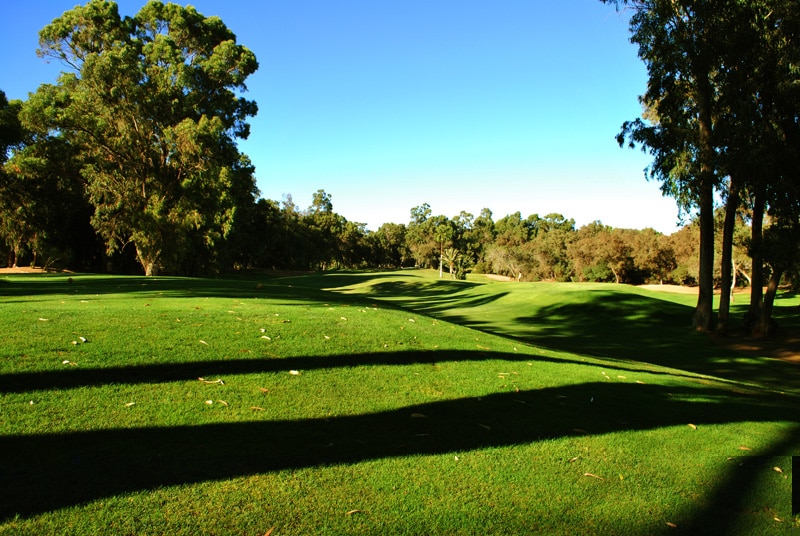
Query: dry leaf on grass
column 217, row 381
column 673, row 525
column 269, row 531
column 777, row 469
column 742, row 447
column 129, row 404
column 223, row 403
column 256, row 408
column 692, row 426
column 593, row 476
column 351, row 512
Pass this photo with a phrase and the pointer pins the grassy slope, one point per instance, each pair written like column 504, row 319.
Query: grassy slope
column 420, row 406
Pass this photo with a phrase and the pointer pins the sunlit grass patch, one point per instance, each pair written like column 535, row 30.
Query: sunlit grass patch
column 229, row 406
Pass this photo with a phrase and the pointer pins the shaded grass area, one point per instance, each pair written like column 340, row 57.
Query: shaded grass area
column 602, row 320
column 366, row 411
column 41, row 470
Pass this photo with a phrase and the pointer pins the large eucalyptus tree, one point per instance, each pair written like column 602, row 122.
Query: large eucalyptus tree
column 679, row 42
column 152, row 105
column 721, row 112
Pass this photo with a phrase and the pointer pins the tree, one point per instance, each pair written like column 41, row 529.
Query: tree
column 442, row 236
column 772, row 83
column 150, row 102
column 419, row 235
column 451, row 256
column 584, row 252
column 12, row 226
column 45, row 213
column 548, row 246
column 653, row 255
column 678, row 42
column 11, row 133
column 323, row 226
column 481, row 236
column 391, row 249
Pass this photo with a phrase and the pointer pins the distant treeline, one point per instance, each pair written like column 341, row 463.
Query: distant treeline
column 276, row 235
column 130, row 163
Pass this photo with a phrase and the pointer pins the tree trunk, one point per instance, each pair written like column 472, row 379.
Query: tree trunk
column 149, row 262
column 704, row 311
column 757, row 255
column 731, row 207
column 616, row 275
column 744, row 274
column 765, row 324
column 150, row 268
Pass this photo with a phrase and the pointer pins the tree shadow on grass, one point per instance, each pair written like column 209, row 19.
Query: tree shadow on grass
column 30, row 287
column 73, row 377
column 43, row 472
column 609, row 324
column 730, row 500
column 649, row 330
column 311, row 288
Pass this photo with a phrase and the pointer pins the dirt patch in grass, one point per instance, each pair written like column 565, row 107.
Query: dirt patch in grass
column 495, row 277
column 22, row 270
column 783, row 345
column 677, row 289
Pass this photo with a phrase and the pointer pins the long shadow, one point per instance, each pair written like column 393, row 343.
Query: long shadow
column 431, row 297
column 41, row 285
column 614, row 326
column 728, row 502
column 609, row 324
column 310, row 288
column 70, row 378
column 44, row 472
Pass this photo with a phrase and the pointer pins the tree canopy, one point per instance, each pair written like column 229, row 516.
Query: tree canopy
column 151, row 103
column 720, row 117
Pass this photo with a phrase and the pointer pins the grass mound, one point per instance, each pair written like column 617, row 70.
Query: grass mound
column 381, row 403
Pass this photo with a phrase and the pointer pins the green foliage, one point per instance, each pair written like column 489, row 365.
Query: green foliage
column 721, row 102
column 151, row 106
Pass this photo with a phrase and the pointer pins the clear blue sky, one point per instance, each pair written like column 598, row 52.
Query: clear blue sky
column 511, row 105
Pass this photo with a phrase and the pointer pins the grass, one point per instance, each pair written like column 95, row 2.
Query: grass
column 382, row 403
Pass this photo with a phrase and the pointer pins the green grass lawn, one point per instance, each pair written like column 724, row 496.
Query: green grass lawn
column 382, row 403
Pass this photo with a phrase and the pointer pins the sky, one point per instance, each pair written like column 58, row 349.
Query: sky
column 510, row 105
